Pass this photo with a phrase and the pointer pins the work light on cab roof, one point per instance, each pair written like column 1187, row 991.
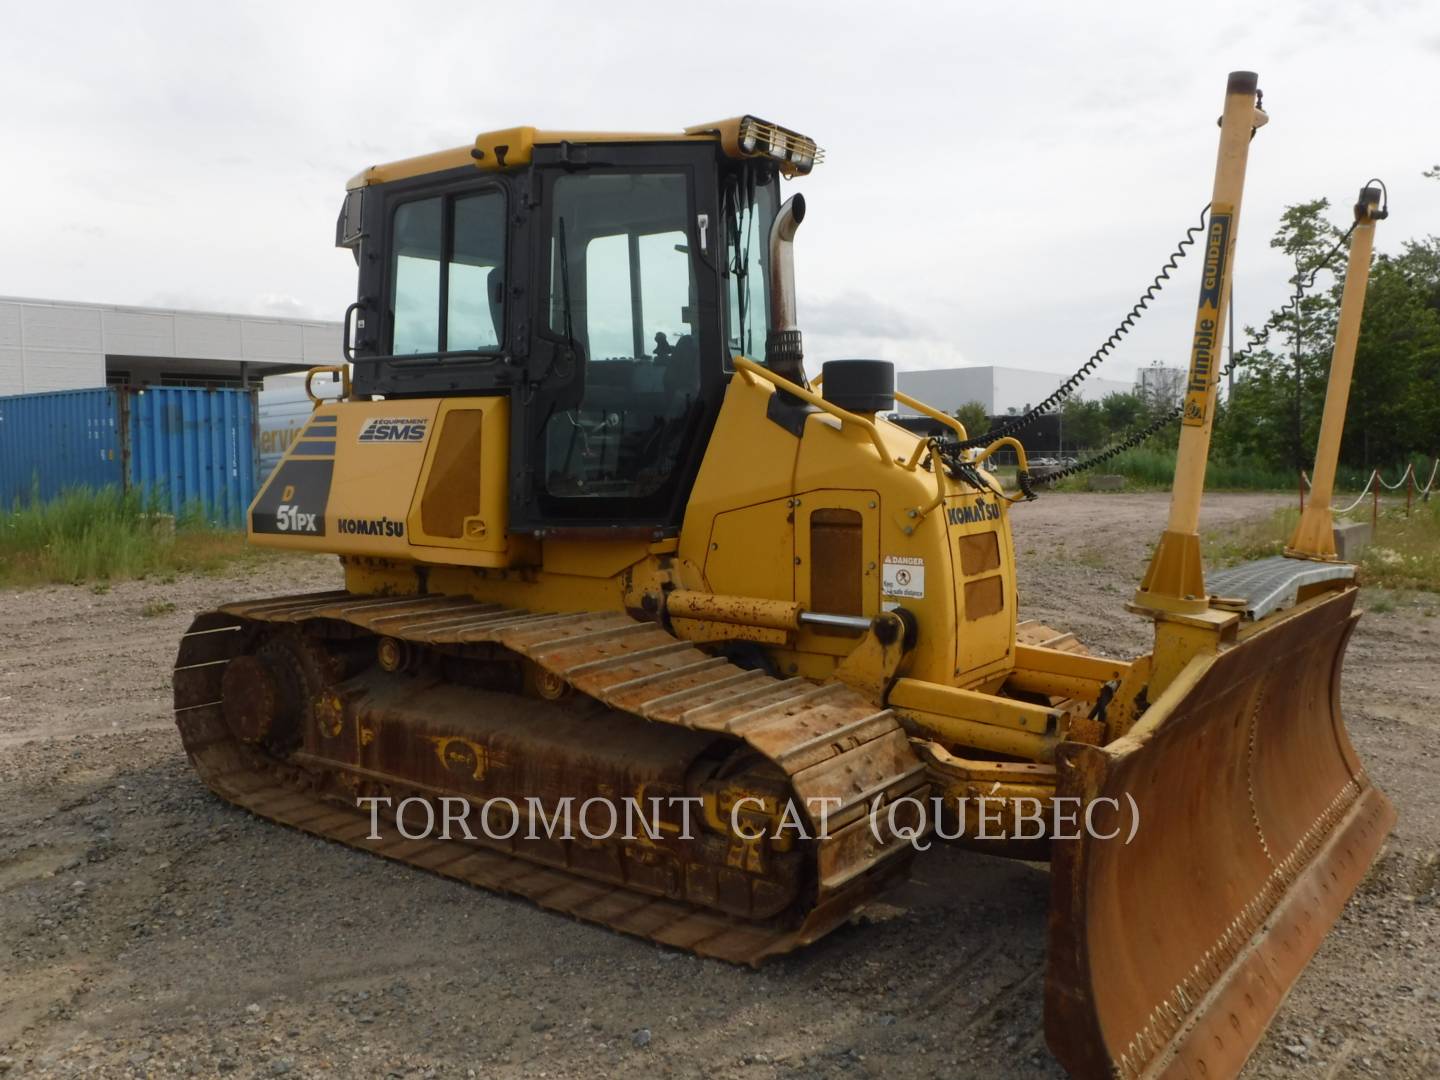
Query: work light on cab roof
column 796, row 153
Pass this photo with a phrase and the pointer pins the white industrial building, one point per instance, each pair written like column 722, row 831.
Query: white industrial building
column 62, row 345
column 1000, row 389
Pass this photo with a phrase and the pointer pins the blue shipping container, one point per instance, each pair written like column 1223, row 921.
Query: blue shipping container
column 192, row 446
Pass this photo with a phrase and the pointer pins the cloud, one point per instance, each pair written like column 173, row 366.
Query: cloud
column 1001, row 195
column 283, row 307
column 859, row 324
column 856, row 314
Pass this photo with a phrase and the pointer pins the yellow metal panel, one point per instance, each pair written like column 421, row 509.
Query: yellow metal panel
column 957, row 732
column 752, row 552
column 592, row 558
column 988, row 636
column 750, row 459
column 1025, row 681
column 485, row 530
column 439, row 161
column 833, row 458
column 738, row 524
column 373, row 491
column 969, row 705
column 519, row 143
column 1078, row 665
column 372, row 484
column 523, row 588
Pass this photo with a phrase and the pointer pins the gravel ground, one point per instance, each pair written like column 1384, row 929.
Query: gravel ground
column 148, row 929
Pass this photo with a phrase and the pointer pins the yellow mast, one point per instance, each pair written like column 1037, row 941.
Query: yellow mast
column 1175, row 581
column 1315, row 535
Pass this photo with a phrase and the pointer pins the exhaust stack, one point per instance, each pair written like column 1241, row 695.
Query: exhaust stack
column 784, row 354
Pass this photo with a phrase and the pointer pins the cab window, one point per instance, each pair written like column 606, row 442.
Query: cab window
column 622, row 290
column 447, row 271
column 748, row 211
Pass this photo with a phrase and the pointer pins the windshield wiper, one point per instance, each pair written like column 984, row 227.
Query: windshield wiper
column 565, row 287
column 743, row 227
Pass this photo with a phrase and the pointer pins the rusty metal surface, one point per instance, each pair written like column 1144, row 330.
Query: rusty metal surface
column 745, row 610
column 1169, row 955
column 828, row 743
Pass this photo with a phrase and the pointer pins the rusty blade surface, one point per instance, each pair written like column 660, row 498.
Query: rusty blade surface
column 1169, row 955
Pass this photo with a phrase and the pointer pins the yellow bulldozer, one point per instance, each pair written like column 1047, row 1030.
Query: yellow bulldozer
column 598, row 553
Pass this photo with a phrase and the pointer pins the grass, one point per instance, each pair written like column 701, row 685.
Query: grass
column 1145, row 468
column 1403, row 555
column 1246, row 541
column 85, row 535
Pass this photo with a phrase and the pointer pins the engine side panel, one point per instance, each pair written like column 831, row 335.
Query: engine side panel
column 420, row 479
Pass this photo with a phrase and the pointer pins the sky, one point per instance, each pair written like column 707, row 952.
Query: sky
column 1001, row 181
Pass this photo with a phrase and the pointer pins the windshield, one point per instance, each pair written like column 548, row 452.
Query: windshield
column 748, row 208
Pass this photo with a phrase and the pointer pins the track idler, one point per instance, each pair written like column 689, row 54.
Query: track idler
column 267, row 693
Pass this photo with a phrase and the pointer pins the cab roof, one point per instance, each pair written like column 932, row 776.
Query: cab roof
column 513, row 147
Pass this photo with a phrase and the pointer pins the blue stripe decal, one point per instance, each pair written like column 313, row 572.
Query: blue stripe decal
column 314, row 447
column 320, row 431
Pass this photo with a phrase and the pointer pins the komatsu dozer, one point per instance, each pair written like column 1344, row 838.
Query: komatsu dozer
column 605, row 545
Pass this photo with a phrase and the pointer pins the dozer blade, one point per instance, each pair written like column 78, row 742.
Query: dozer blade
column 1254, row 823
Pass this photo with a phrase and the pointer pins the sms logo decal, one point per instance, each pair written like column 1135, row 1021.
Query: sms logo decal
column 393, row 429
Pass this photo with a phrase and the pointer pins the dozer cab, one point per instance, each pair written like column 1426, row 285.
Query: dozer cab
column 603, row 542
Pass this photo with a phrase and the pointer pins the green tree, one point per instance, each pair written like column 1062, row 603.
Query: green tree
column 1274, row 412
column 1395, row 399
column 1082, row 424
column 974, row 416
column 1123, row 413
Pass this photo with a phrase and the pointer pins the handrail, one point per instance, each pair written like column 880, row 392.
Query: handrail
column 343, row 370
column 1008, row 440
column 919, row 406
column 942, row 488
column 748, row 368
column 933, row 413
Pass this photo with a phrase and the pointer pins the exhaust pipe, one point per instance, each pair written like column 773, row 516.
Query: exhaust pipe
column 783, row 352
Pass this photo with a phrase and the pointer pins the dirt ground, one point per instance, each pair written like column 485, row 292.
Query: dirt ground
column 148, row 929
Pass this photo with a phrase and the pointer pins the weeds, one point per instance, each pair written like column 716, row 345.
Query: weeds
column 157, row 607
column 85, row 535
column 1247, row 541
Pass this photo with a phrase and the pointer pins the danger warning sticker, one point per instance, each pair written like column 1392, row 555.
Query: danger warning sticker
column 903, row 576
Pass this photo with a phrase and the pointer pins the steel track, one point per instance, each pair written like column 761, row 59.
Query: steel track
column 830, row 742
